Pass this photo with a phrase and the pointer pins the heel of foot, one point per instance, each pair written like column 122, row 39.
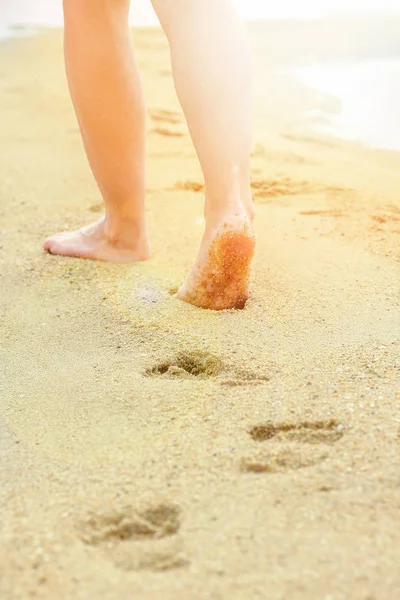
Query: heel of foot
column 223, row 281
column 235, row 250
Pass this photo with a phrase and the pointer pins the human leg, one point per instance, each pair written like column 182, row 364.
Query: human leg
column 212, row 74
column 106, row 91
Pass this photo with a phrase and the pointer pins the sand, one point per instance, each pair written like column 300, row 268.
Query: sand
column 150, row 449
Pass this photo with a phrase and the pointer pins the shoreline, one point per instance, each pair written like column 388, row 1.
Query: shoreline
column 368, row 112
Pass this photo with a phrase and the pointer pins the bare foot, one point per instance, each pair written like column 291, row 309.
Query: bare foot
column 126, row 244
column 220, row 276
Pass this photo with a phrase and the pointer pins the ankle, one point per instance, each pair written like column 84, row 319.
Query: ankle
column 123, row 228
column 214, row 212
column 229, row 191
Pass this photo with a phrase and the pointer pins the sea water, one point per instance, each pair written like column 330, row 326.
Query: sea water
column 369, row 97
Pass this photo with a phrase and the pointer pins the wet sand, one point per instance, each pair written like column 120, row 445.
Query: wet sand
column 150, row 449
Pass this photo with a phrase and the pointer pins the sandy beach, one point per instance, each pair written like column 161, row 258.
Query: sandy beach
column 153, row 450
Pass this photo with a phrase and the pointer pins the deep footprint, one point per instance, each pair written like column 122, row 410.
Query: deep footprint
column 188, row 364
column 204, row 365
column 308, row 432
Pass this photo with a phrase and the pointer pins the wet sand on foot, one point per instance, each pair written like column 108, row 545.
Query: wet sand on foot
column 151, row 449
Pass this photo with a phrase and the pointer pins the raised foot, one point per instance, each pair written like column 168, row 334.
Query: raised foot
column 220, row 278
column 94, row 242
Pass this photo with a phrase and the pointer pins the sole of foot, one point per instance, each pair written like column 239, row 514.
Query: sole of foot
column 220, row 277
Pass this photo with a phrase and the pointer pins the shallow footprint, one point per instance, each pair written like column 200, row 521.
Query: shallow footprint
column 168, row 132
column 309, row 432
column 291, row 445
column 97, row 208
column 166, row 116
column 282, row 459
column 188, row 185
column 265, row 189
column 245, row 380
column 136, row 540
column 322, row 212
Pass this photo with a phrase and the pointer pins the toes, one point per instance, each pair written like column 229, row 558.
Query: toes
column 51, row 246
column 55, row 247
column 59, row 247
column 48, row 245
column 50, row 241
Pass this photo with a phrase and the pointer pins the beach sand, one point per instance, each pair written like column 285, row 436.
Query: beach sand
column 150, row 449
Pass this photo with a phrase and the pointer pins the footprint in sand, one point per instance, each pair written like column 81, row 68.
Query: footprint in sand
column 311, row 140
column 137, row 540
column 188, row 185
column 167, row 120
column 167, row 132
column 294, row 446
column 187, row 364
column 322, row 213
column 277, row 461
column 309, row 432
column 264, row 189
column 245, row 379
column 203, row 365
column 166, row 116
column 97, row 208
column 386, row 217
